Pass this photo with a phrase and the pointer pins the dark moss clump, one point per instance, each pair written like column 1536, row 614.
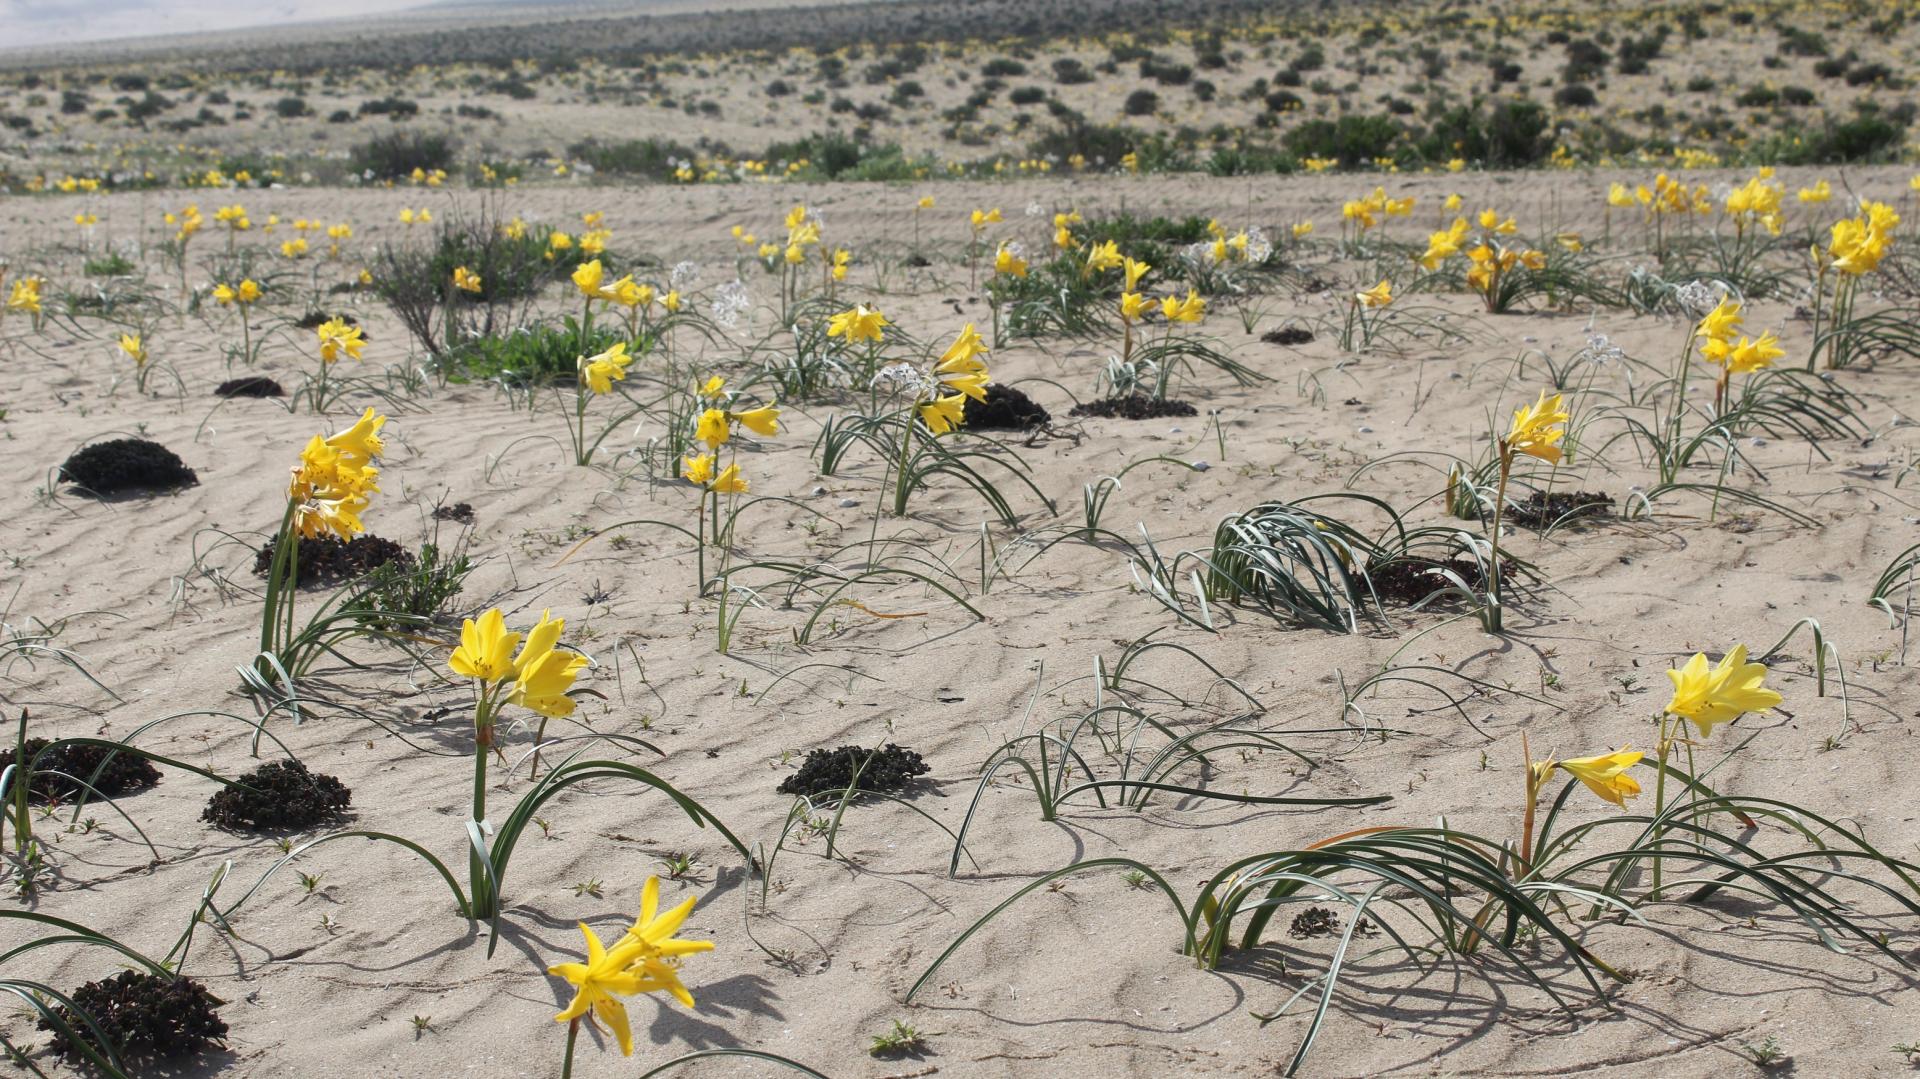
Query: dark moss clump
column 315, row 319
column 827, row 771
column 458, row 513
column 143, row 1017
column 1410, row 580
column 1288, row 335
column 74, row 764
column 1005, row 409
column 326, row 560
column 126, row 464
column 1314, row 922
column 1540, row 509
column 249, row 386
column 278, row 795
column 1135, row 407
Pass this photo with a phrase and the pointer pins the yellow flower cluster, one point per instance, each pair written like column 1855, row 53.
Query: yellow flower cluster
column 540, row 675
column 716, row 427
column 1718, row 345
column 1757, row 200
column 1857, row 244
column 334, row 477
column 646, row 959
column 1366, row 212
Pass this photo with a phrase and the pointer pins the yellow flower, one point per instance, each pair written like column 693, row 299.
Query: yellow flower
column 1748, row 355
column 249, row 291
column 1132, row 304
column 1104, row 256
column 656, row 931
column 1134, row 271
column 25, row 296
column 730, row 481
column 598, row 984
column 542, row 673
column 1379, row 295
column 465, row 280
column 486, row 648
column 603, row 370
column 1535, row 431
column 764, row 421
column 713, row 428
column 963, row 356
column 1721, row 323
column 136, row 351
column 1302, row 229
column 858, row 323
column 980, row 219
column 698, row 469
column 1709, row 697
column 587, row 278
column 943, row 414
column 1005, row 261
column 926, row 202
column 713, row 387
column 1190, row 309
column 671, row 301
column 1606, row 774
column 1820, row 192
column 337, row 337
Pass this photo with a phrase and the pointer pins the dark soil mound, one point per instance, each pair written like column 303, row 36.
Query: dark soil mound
column 827, row 771
column 123, row 774
column 278, row 795
column 144, row 1016
column 1136, row 407
column 250, row 386
column 1288, row 335
column 1541, row 509
column 1005, row 409
column 1410, row 580
column 327, row 560
column 126, row 464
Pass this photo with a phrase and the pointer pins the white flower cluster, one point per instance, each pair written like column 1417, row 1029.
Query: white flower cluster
column 684, row 274
column 730, row 301
column 905, row 376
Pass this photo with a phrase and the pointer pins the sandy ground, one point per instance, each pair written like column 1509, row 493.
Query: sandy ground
column 1086, row 979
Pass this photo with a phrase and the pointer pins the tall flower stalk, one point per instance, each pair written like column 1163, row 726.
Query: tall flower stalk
column 1536, row 432
column 537, row 679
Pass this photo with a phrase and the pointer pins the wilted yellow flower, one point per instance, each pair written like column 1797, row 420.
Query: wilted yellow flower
column 1606, row 774
column 1379, row 295
column 136, row 351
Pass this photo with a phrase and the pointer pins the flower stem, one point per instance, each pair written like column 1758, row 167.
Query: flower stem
column 573, row 1035
column 1494, row 613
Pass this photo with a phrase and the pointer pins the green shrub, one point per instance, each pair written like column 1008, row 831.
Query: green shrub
column 539, row 353
column 1352, row 139
column 395, row 156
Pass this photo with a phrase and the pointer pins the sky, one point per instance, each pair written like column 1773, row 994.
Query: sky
column 54, row 22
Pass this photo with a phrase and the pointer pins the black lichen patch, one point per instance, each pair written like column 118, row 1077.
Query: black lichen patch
column 458, row 513
column 1314, row 922
column 828, row 771
column 1005, row 409
column 1288, row 335
column 1135, row 407
column 278, row 796
column 1410, row 580
column 142, row 1016
column 126, row 464
column 326, row 560
column 1540, row 509
column 249, row 386
column 315, row 319
column 57, row 775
